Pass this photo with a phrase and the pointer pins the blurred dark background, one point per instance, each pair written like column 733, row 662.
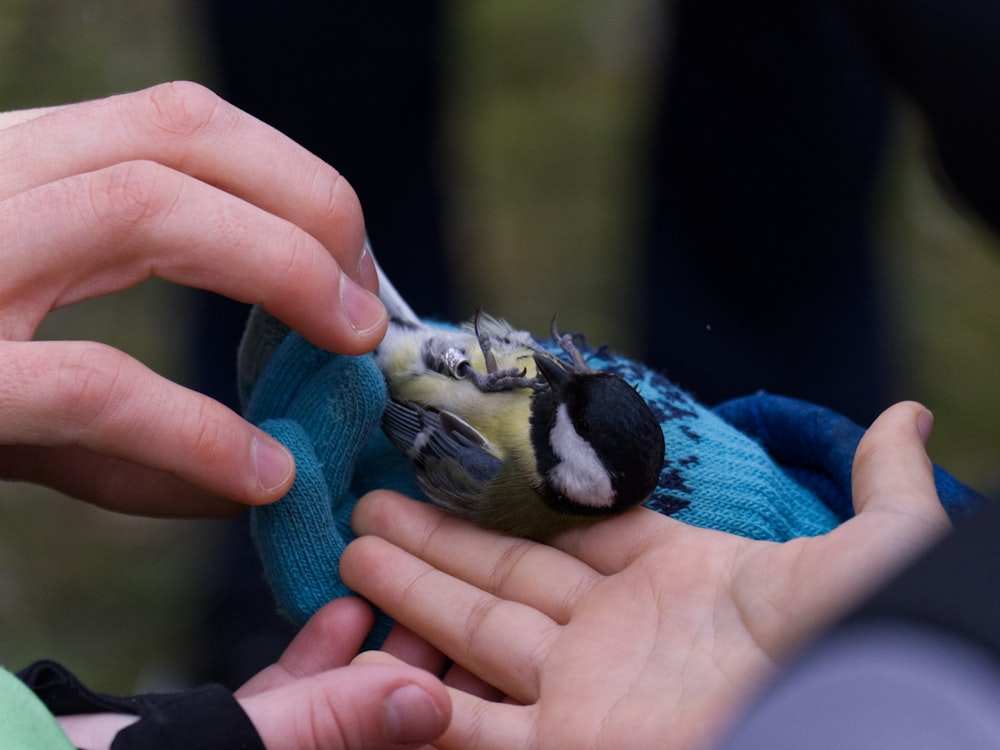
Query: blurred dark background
column 541, row 166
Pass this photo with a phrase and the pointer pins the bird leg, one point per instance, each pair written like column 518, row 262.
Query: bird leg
column 495, row 379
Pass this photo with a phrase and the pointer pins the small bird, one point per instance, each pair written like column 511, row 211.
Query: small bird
column 508, row 435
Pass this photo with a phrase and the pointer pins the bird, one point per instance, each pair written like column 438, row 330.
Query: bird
column 503, row 432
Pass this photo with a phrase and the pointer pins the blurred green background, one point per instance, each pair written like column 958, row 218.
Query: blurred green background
column 533, row 86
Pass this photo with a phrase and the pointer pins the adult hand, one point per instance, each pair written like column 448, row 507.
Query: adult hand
column 310, row 699
column 639, row 631
column 176, row 183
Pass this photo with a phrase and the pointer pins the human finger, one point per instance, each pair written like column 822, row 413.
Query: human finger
column 94, row 397
column 892, row 471
column 113, row 483
column 187, row 127
column 611, row 545
column 98, row 232
column 502, row 641
column 512, row 568
column 488, row 725
column 16, row 117
column 359, row 706
column 479, row 718
column 408, row 647
column 328, row 640
column 460, row 678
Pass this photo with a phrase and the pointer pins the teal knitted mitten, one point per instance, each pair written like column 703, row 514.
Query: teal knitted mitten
column 326, row 409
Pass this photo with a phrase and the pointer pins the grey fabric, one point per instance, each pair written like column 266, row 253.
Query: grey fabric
column 879, row 686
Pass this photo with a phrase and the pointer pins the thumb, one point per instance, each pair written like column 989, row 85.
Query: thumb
column 362, row 706
column 892, row 471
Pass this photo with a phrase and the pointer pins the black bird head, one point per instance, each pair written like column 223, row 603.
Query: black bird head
column 598, row 446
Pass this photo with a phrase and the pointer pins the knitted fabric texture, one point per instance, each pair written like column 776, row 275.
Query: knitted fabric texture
column 326, row 409
column 762, row 467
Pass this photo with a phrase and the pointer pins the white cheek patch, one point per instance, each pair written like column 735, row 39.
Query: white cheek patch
column 579, row 475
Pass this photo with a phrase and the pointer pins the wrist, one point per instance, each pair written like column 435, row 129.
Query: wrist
column 94, row 731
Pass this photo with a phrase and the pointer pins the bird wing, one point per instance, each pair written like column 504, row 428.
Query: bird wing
column 454, row 462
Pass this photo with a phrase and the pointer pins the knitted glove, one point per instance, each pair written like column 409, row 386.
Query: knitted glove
column 761, row 466
column 816, row 447
column 326, row 409
column 781, row 472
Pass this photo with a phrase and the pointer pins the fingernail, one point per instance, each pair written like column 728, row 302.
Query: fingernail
column 925, row 424
column 411, row 716
column 364, row 273
column 363, row 309
column 273, row 464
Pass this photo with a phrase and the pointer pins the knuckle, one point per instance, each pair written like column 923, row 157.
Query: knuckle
column 208, row 437
column 336, row 199
column 132, row 194
column 286, row 251
column 346, row 213
column 339, row 211
column 329, row 725
column 294, row 259
column 183, row 109
column 90, row 380
column 281, row 253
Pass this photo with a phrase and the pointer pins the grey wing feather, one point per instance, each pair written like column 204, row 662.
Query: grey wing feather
column 454, row 461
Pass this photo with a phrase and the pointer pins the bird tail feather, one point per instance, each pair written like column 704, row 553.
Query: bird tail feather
column 390, row 296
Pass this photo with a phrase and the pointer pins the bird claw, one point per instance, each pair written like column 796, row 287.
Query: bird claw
column 567, row 344
column 498, row 380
